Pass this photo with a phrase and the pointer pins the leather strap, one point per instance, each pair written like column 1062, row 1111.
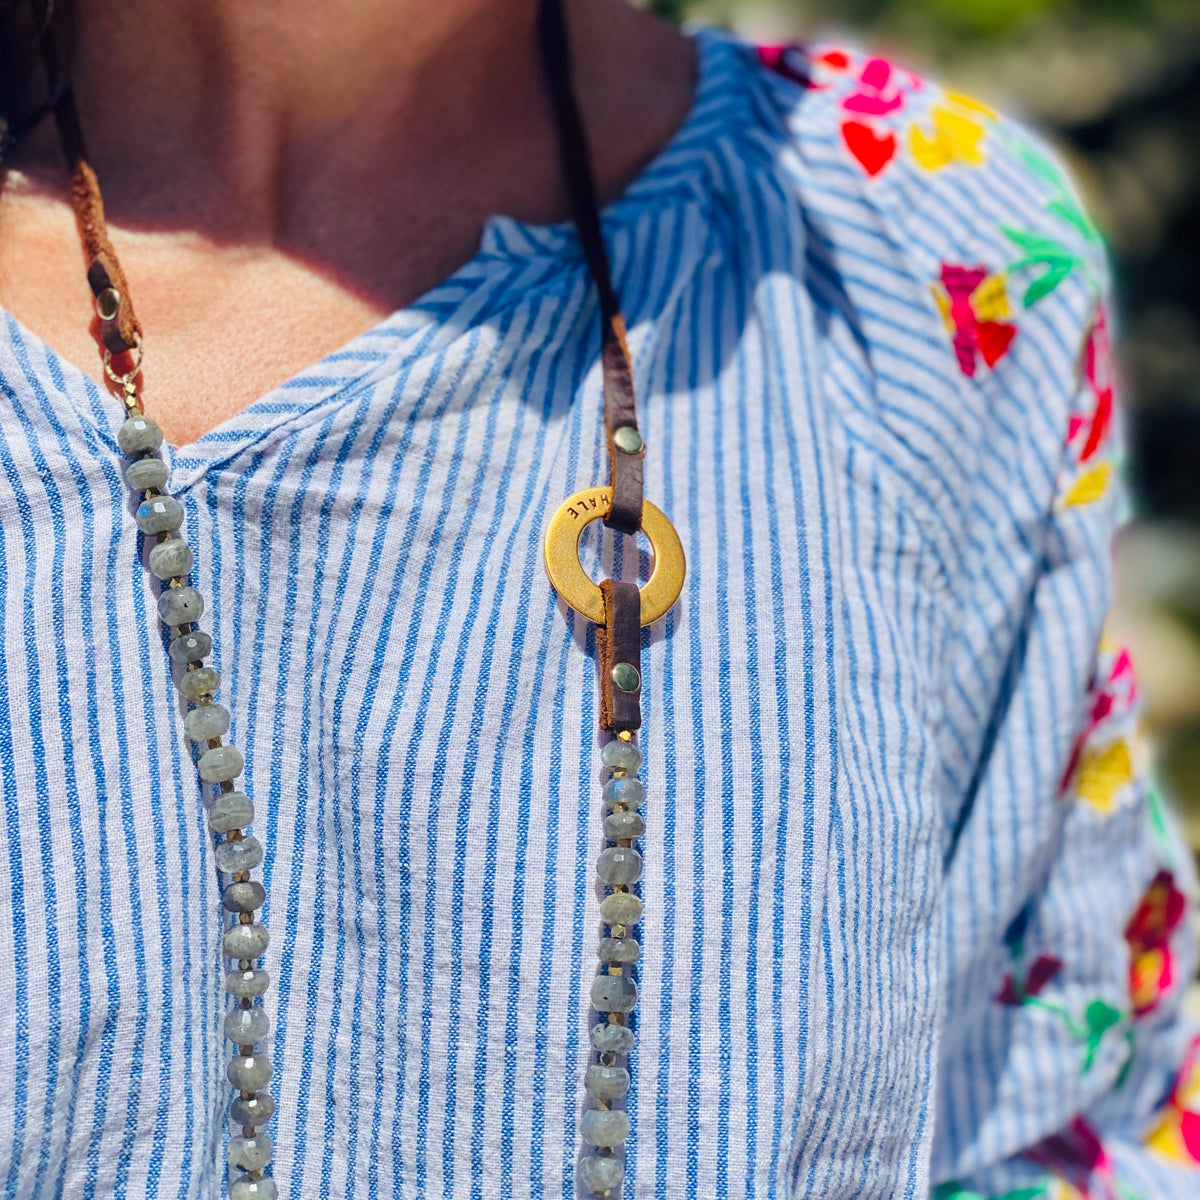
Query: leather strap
column 121, row 331
column 620, row 410
column 619, row 645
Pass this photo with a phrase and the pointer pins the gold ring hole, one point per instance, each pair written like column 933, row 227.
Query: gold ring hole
column 572, row 582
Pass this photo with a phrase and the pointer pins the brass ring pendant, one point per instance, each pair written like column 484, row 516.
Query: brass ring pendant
column 573, row 583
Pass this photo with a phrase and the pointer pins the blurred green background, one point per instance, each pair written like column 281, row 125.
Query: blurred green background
column 1116, row 85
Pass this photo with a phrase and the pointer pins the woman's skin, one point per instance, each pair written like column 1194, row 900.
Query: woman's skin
column 281, row 175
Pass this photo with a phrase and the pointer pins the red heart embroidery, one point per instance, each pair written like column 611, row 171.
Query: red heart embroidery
column 994, row 340
column 872, row 151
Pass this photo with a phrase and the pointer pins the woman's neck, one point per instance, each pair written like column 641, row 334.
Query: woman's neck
column 258, row 122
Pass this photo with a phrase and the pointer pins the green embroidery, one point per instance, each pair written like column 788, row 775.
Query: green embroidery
column 955, row 1191
column 1042, row 252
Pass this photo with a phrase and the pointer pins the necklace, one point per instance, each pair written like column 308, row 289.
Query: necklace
column 618, row 609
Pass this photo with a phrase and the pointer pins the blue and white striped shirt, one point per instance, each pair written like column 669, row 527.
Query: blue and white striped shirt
column 898, row 830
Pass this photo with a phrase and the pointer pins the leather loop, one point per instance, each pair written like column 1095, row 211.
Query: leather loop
column 619, row 646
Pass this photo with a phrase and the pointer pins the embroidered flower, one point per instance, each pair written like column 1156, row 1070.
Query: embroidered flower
column 1151, row 961
column 1077, row 1159
column 878, row 92
column 1087, row 431
column 1044, row 969
column 974, row 305
column 1105, row 768
column 957, row 134
column 1176, row 1134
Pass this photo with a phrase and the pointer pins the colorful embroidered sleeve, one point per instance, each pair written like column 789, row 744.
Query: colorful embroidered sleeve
column 1065, row 1068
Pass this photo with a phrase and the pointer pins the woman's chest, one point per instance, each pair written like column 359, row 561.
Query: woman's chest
column 417, row 713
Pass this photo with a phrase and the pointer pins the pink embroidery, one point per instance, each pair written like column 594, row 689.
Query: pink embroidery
column 792, row 62
column 1077, row 1156
column 1151, row 958
column 964, row 292
column 1116, row 695
column 877, row 94
column 1099, row 374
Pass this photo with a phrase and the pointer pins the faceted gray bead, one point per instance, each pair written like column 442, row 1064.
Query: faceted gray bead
column 245, row 1188
column 600, row 1175
column 245, row 1027
column 614, row 993
column 243, row 855
column 220, row 764
column 249, row 1072
column 171, row 558
column 248, row 984
column 252, row 1112
column 180, row 606
column 146, row 474
column 207, row 722
column 139, row 434
column 251, row 1154
column 619, row 865
column 245, row 941
column 244, row 897
column 607, row 1082
column 159, row 514
column 190, row 647
column 621, row 908
column 621, row 756
column 624, row 790
column 604, row 1128
column 618, row 950
column 624, row 825
column 229, row 811
column 203, row 681
column 612, row 1039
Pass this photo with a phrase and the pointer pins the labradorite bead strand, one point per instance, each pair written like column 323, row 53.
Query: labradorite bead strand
column 244, row 939
column 614, row 993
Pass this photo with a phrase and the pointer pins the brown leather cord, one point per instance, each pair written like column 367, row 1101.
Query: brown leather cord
column 121, row 331
column 620, row 411
column 619, row 645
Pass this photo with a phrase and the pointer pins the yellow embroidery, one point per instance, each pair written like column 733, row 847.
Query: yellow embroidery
column 943, row 303
column 1089, row 486
column 1165, row 1139
column 990, row 299
column 971, row 104
column 956, row 138
column 1103, row 773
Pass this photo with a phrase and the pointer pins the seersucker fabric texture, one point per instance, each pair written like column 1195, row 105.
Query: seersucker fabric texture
column 916, row 920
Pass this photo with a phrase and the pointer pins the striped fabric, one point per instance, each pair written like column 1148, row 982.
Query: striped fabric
column 856, row 720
